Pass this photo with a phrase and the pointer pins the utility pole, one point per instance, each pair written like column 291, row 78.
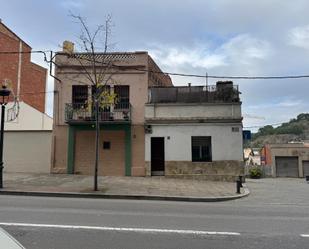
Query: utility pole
column 4, row 93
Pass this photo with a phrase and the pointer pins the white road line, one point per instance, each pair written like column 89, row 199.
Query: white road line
column 123, row 229
column 305, row 235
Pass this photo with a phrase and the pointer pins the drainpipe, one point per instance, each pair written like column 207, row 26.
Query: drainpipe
column 19, row 68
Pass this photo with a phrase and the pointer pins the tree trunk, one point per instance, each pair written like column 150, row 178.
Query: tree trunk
column 97, row 134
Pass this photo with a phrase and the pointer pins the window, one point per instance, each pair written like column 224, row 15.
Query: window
column 123, row 97
column 106, row 145
column 235, row 129
column 201, row 149
column 79, row 94
column 105, row 88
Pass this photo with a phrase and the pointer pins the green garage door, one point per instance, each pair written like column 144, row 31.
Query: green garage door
column 306, row 168
column 287, row 166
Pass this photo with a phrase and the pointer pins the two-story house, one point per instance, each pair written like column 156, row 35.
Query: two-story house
column 194, row 132
column 122, row 131
column 154, row 128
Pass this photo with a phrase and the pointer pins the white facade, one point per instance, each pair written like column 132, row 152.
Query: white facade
column 29, row 119
column 27, row 140
column 193, row 111
column 27, row 151
column 225, row 143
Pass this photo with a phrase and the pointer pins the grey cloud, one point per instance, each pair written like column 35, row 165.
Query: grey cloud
column 222, row 37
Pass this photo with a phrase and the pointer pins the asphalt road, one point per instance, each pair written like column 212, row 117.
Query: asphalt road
column 275, row 215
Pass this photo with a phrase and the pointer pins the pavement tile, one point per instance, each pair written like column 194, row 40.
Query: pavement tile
column 160, row 186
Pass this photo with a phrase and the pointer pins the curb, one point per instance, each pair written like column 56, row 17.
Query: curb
column 126, row 197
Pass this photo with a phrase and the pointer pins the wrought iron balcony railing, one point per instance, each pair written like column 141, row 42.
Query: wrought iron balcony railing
column 120, row 112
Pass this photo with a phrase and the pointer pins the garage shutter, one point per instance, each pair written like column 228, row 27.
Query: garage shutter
column 306, row 168
column 287, row 166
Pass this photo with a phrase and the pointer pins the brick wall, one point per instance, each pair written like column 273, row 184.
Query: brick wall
column 33, row 77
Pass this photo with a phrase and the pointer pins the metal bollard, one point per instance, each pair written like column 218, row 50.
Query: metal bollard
column 238, row 183
column 241, row 180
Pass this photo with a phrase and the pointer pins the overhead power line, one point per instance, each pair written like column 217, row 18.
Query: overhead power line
column 34, row 93
column 25, row 52
column 278, row 77
column 259, row 126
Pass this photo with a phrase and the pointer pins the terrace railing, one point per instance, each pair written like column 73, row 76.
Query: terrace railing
column 194, row 94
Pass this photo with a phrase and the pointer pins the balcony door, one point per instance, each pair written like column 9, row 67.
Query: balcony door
column 105, row 111
column 79, row 95
column 123, row 97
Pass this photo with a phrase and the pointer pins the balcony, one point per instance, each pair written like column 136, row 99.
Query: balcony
column 81, row 113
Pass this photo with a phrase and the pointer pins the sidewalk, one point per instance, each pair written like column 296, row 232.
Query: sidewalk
column 157, row 188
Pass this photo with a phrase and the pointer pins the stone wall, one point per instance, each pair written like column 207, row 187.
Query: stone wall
column 216, row 170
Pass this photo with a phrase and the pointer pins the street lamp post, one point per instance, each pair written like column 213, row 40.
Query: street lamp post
column 4, row 99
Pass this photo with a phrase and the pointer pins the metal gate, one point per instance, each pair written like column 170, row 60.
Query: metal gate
column 286, row 166
column 306, row 168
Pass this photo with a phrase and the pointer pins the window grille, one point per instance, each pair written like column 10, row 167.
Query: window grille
column 123, row 97
column 79, row 94
column 201, row 149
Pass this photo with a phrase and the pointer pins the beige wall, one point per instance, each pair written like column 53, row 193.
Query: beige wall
column 111, row 162
column 292, row 150
column 27, row 151
column 138, row 95
column 137, row 80
column 138, row 150
column 59, row 149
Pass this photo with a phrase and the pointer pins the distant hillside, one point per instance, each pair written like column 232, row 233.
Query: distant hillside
column 296, row 129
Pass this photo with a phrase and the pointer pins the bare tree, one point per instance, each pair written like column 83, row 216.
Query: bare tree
column 98, row 69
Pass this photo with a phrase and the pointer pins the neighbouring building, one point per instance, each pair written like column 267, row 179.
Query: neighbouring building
column 122, row 136
column 28, row 129
column 194, row 132
column 252, row 156
column 253, row 159
column 27, row 145
column 286, row 160
column 28, row 79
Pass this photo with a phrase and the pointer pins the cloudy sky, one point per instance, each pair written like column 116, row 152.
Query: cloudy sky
column 221, row 37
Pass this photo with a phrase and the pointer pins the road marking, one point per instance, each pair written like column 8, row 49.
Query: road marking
column 305, row 235
column 123, row 229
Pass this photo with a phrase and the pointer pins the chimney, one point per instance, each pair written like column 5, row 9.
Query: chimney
column 189, row 84
column 68, row 47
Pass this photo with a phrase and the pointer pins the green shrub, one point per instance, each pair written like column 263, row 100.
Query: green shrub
column 255, row 172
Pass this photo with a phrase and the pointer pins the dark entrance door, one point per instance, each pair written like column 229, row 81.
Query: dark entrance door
column 157, row 156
